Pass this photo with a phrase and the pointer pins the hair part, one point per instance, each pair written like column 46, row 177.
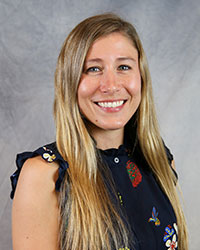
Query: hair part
column 93, row 221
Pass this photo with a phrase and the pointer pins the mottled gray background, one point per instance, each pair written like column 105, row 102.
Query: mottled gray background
column 31, row 34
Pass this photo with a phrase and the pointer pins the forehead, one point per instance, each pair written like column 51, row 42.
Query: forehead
column 114, row 43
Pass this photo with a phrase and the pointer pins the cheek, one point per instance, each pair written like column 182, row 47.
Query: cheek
column 86, row 89
column 83, row 90
column 134, row 87
column 84, row 94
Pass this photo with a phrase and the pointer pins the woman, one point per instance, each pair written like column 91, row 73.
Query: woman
column 110, row 184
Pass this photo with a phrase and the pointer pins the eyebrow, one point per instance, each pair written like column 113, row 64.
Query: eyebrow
column 118, row 59
column 126, row 58
column 94, row 60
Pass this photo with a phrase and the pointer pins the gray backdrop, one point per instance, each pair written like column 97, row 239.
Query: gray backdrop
column 31, row 34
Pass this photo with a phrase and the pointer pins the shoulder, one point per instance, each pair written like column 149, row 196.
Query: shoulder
column 36, row 185
column 41, row 165
column 38, row 175
column 35, row 206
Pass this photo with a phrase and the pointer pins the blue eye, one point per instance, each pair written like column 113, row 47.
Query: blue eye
column 124, row 67
column 93, row 69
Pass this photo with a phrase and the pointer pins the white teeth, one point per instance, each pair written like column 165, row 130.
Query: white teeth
column 110, row 104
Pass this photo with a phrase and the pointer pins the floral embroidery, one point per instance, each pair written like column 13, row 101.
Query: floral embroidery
column 170, row 237
column 48, row 150
column 172, row 244
column 50, row 157
column 120, row 198
column 169, row 231
column 175, row 227
column 154, row 217
column 134, row 173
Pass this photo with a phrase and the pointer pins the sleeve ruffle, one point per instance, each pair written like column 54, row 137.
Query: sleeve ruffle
column 169, row 154
column 170, row 159
column 50, row 154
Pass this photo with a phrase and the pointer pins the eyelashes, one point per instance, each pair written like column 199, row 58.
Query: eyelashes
column 96, row 69
column 93, row 69
column 124, row 67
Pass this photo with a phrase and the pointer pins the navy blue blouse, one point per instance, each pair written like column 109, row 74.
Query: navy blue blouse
column 149, row 212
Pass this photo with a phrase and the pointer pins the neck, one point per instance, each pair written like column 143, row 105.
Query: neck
column 106, row 139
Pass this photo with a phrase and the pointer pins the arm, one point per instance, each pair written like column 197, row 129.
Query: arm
column 35, row 213
column 173, row 165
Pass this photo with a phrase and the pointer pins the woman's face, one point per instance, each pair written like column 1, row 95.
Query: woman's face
column 109, row 91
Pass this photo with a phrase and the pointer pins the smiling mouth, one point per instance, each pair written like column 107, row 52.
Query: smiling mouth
column 113, row 104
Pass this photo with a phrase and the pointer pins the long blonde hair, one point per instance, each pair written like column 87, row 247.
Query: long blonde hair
column 89, row 220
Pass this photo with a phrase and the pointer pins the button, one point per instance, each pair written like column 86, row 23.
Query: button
column 116, row 160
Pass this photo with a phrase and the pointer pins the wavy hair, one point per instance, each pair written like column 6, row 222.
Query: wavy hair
column 89, row 220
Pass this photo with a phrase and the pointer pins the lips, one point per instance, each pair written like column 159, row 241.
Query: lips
column 111, row 106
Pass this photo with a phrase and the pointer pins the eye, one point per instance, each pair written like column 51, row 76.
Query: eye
column 124, row 67
column 93, row 69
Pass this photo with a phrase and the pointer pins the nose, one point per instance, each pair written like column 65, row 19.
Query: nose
column 109, row 83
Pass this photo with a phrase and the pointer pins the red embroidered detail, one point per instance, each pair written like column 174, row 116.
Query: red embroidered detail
column 134, row 173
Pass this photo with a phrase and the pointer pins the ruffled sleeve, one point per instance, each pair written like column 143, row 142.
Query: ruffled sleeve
column 169, row 154
column 170, row 159
column 50, row 154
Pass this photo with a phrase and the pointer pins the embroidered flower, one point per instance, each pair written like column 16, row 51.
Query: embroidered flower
column 134, row 173
column 170, row 237
column 47, row 149
column 169, row 231
column 154, row 217
column 120, row 198
column 176, row 228
column 49, row 157
column 172, row 244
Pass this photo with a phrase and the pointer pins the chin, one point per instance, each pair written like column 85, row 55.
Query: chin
column 112, row 126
